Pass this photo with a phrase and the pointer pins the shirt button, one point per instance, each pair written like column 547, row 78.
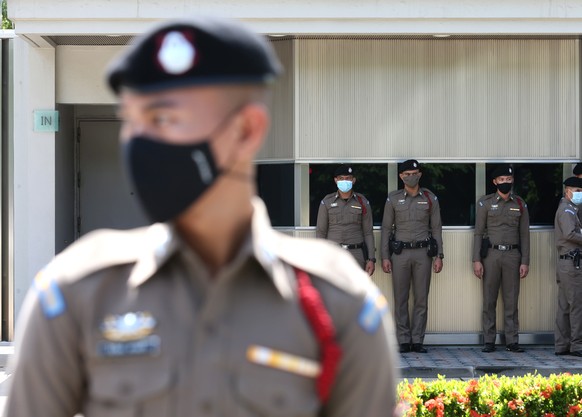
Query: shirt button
column 279, row 401
column 210, row 329
column 206, row 407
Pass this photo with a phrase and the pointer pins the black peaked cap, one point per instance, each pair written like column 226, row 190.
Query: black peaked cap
column 196, row 51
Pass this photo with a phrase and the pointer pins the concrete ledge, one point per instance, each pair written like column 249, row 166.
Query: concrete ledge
column 423, row 372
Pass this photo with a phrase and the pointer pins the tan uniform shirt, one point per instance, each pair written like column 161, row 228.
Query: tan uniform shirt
column 504, row 222
column 412, row 218
column 345, row 222
column 128, row 323
column 568, row 232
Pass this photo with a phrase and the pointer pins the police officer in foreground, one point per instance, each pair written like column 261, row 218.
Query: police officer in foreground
column 411, row 239
column 568, row 234
column 209, row 311
column 501, row 256
column 345, row 217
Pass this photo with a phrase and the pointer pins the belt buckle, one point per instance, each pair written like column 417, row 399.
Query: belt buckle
column 414, row 244
column 503, row 247
column 344, row 246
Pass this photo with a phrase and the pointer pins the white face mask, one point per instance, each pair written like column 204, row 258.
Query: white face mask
column 344, row 186
column 577, row 197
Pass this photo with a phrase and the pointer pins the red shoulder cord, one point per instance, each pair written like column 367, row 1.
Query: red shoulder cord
column 322, row 326
column 364, row 211
column 427, row 194
column 520, row 204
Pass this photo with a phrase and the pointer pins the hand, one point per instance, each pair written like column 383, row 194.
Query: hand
column 370, row 267
column 387, row 266
column 478, row 269
column 523, row 271
column 438, row 265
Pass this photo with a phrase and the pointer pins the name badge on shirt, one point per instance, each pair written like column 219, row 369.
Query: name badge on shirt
column 422, row 202
column 514, row 209
column 356, row 207
column 333, row 205
column 401, row 201
column 283, row 361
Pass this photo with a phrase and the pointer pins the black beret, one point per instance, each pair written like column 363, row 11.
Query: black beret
column 577, row 169
column 196, row 51
column 502, row 170
column 343, row 169
column 573, row 182
column 409, row 165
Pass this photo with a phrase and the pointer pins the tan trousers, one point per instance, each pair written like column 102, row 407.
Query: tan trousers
column 501, row 271
column 412, row 268
column 568, row 330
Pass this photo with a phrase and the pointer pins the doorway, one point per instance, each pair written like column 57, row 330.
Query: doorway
column 105, row 198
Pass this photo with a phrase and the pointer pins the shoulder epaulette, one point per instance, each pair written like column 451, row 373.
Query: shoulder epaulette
column 99, row 250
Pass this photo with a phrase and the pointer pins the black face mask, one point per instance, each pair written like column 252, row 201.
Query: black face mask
column 504, row 187
column 168, row 178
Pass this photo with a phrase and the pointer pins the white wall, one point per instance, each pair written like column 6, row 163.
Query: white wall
column 306, row 16
column 34, row 170
column 80, row 77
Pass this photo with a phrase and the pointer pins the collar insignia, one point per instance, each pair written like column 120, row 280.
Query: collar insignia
column 128, row 326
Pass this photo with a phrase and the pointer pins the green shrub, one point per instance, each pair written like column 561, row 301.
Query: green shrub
column 488, row 396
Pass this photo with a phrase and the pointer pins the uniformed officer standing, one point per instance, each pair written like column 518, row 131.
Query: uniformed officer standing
column 568, row 234
column 501, row 256
column 412, row 219
column 209, row 311
column 345, row 217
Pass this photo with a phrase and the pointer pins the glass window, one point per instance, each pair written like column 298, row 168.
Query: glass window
column 540, row 185
column 275, row 186
column 371, row 180
column 454, row 185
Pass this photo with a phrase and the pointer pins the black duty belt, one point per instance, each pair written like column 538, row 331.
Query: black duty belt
column 566, row 257
column 352, row 246
column 415, row 245
column 504, row 247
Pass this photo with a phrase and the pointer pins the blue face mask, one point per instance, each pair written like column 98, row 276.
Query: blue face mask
column 344, row 186
column 577, row 197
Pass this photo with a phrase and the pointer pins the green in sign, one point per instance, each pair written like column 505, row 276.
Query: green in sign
column 46, row 121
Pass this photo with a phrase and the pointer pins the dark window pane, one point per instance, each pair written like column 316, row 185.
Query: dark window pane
column 454, row 185
column 371, row 180
column 275, row 186
column 540, row 185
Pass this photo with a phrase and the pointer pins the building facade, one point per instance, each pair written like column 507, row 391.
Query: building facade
column 459, row 85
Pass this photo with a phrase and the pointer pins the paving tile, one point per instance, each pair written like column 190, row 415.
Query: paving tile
column 469, row 361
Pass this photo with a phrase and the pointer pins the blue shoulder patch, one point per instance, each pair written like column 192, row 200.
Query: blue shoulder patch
column 375, row 305
column 481, row 203
column 50, row 296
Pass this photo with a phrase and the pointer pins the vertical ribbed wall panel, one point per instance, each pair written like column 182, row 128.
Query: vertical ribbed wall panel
column 455, row 299
column 279, row 144
column 455, row 296
column 477, row 99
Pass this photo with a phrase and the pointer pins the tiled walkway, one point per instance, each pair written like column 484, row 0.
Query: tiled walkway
column 469, row 362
